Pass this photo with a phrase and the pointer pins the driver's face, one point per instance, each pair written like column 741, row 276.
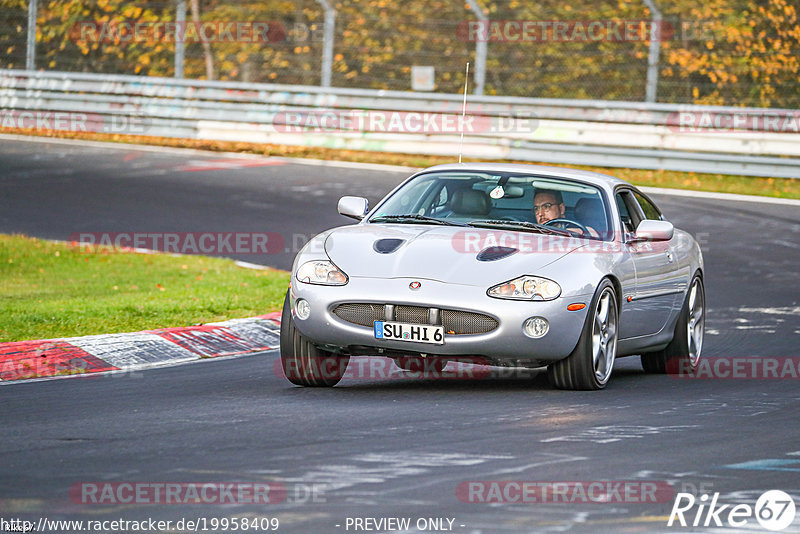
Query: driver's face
column 546, row 209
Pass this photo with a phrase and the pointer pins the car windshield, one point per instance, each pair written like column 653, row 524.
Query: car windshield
column 499, row 200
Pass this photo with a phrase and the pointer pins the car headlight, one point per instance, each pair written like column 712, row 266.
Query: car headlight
column 321, row 272
column 526, row 288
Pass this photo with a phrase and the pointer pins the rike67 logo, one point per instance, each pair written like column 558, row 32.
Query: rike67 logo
column 774, row 510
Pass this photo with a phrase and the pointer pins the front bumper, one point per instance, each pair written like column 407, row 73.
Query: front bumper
column 507, row 341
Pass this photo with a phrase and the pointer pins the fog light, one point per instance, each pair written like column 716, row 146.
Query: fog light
column 536, row 327
column 302, row 308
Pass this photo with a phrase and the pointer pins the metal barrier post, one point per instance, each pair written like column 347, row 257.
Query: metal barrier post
column 655, row 50
column 30, row 56
column 481, row 47
column 328, row 36
column 180, row 40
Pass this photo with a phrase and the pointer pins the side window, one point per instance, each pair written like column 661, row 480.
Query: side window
column 409, row 201
column 627, row 222
column 650, row 211
column 628, row 210
column 439, row 202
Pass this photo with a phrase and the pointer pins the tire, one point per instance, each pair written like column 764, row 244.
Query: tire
column 303, row 363
column 589, row 365
column 682, row 355
column 431, row 365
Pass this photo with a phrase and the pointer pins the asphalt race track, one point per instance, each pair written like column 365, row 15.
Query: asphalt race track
column 401, row 446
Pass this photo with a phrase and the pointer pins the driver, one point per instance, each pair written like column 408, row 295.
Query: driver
column 548, row 205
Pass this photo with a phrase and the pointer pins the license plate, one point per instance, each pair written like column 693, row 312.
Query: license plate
column 418, row 333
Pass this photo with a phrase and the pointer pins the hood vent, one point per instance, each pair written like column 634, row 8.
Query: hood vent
column 387, row 246
column 495, row 253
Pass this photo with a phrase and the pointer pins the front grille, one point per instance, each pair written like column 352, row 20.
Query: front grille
column 412, row 314
column 455, row 322
column 467, row 322
column 363, row 314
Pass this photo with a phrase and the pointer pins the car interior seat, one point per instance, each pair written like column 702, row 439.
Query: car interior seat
column 470, row 202
column 589, row 212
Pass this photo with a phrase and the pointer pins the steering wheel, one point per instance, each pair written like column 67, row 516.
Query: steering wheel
column 565, row 224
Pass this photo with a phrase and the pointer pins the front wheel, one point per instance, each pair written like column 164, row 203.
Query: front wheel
column 304, row 364
column 589, row 365
column 682, row 355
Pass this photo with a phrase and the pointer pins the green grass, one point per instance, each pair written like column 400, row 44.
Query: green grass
column 718, row 183
column 51, row 290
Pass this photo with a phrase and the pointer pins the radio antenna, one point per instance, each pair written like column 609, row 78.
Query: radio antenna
column 463, row 114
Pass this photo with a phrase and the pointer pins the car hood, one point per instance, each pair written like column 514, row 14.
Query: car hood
column 443, row 253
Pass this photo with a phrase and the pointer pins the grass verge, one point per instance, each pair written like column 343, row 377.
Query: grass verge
column 52, row 290
column 719, row 183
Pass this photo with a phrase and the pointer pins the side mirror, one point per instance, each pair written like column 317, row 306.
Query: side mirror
column 353, row 207
column 652, row 230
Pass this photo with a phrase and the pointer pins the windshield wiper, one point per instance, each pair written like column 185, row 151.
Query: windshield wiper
column 414, row 218
column 500, row 223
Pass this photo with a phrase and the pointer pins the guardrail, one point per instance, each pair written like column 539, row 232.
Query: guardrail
column 765, row 142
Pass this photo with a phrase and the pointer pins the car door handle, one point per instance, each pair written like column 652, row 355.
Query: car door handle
column 669, row 256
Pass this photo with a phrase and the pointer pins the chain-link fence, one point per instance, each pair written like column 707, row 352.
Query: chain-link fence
column 731, row 52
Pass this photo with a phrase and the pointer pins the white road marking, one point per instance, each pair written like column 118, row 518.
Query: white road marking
column 786, row 310
column 248, row 265
column 767, row 329
column 786, row 244
column 613, row 433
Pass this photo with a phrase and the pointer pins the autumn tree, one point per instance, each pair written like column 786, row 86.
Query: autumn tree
column 733, row 52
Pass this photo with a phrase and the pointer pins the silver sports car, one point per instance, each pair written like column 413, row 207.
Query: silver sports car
column 517, row 265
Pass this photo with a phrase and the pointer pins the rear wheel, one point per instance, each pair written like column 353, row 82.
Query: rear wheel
column 682, row 355
column 590, row 364
column 303, row 363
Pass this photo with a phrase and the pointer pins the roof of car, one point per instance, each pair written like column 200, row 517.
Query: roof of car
column 594, row 178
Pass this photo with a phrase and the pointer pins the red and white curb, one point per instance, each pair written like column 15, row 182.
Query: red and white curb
column 50, row 358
